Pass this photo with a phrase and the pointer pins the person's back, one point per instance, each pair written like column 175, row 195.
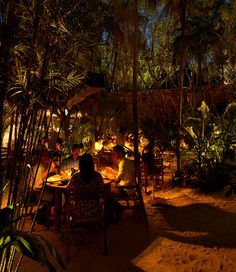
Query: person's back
column 126, row 173
column 77, row 182
column 87, row 180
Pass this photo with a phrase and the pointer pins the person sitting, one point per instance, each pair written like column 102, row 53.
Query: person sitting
column 125, row 176
column 87, row 179
column 42, row 168
column 43, row 143
column 98, row 145
column 59, row 145
column 82, row 149
column 73, row 160
column 126, row 170
column 57, row 154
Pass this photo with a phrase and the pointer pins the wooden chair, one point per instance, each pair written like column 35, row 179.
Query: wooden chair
column 125, row 194
column 152, row 166
column 74, row 220
column 156, row 176
column 135, row 196
column 159, row 172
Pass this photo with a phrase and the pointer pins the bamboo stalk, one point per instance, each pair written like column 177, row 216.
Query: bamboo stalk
column 40, row 199
column 25, row 204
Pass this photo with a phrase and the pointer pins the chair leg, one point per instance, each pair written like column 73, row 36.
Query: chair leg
column 105, row 240
column 162, row 181
column 48, row 216
column 29, row 210
column 68, row 247
column 153, row 186
column 67, row 239
column 145, row 183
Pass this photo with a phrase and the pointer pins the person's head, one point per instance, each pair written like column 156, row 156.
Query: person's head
column 86, row 166
column 81, row 146
column 100, row 140
column 44, row 156
column 109, row 139
column 114, row 140
column 118, row 152
column 75, row 150
column 104, row 143
column 59, row 144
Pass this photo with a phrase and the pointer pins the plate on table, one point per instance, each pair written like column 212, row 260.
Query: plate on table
column 54, row 178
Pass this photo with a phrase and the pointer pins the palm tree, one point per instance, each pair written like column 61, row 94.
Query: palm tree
column 179, row 11
column 7, row 31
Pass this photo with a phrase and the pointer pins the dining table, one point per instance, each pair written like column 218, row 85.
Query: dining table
column 59, row 185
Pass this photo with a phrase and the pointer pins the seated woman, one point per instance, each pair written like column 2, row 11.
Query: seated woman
column 41, row 169
column 87, row 179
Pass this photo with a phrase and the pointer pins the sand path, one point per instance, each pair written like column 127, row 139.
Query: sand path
column 191, row 232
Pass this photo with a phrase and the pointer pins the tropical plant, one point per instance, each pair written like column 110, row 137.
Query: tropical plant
column 211, row 138
column 30, row 245
column 46, row 47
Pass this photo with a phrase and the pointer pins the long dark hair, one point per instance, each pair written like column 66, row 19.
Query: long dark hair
column 86, row 167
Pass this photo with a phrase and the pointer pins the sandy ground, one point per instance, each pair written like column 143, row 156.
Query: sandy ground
column 188, row 232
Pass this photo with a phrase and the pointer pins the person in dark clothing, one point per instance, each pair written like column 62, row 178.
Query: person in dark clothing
column 87, row 179
column 73, row 160
column 148, row 158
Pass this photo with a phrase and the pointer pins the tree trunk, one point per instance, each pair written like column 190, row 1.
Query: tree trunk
column 199, row 67
column 135, row 108
column 181, row 80
column 135, row 91
column 222, row 76
column 1, row 137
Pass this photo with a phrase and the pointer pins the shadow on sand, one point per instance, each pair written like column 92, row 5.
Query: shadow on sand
column 127, row 240
column 214, row 227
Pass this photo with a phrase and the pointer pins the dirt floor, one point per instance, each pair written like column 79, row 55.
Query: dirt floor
column 187, row 232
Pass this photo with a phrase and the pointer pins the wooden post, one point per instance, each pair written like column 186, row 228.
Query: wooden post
column 135, row 107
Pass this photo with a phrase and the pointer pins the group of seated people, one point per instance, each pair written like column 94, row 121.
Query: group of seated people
column 86, row 175
column 107, row 143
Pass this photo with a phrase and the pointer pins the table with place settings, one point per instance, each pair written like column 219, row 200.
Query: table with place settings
column 59, row 184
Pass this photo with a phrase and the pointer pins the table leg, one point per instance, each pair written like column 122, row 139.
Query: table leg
column 58, row 208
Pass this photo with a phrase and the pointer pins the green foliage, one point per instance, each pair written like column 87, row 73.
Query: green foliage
column 159, row 130
column 32, row 246
column 211, row 138
column 79, row 133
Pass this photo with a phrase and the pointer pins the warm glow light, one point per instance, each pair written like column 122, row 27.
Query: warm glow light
column 79, row 114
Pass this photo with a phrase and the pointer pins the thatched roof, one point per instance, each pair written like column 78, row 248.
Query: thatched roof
column 79, row 97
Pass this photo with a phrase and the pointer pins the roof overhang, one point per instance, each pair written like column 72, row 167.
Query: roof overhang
column 79, row 97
